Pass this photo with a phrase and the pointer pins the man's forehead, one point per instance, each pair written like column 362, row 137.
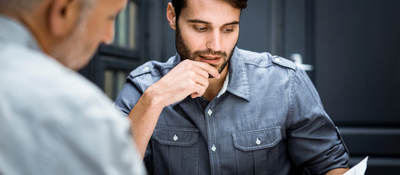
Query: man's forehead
column 212, row 11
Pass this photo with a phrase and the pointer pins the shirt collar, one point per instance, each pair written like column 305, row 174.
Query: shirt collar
column 238, row 79
column 14, row 32
column 224, row 86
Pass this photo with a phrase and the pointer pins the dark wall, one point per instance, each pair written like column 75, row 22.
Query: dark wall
column 356, row 46
column 357, row 49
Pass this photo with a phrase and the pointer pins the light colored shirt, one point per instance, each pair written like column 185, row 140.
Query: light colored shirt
column 52, row 120
column 267, row 119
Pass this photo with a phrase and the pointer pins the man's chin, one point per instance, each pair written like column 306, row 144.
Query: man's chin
column 78, row 62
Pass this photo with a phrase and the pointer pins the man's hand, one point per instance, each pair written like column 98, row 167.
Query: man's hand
column 337, row 171
column 187, row 78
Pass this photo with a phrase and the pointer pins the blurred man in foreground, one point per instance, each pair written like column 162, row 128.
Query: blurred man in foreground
column 53, row 121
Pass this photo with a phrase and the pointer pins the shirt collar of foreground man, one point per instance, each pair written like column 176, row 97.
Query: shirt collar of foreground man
column 15, row 33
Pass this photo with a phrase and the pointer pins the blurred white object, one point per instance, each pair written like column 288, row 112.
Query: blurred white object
column 359, row 169
column 298, row 60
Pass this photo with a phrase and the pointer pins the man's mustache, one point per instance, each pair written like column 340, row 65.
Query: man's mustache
column 210, row 52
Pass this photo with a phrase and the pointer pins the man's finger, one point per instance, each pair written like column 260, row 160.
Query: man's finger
column 208, row 68
column 201, row 72
column 199, row 92
column 203, row 81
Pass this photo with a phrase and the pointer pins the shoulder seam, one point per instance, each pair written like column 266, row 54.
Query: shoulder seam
column 284, row 62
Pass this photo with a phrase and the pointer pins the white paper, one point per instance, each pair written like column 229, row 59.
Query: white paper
column 359, row 169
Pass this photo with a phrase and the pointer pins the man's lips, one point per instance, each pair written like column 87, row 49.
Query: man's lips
column 210, row 59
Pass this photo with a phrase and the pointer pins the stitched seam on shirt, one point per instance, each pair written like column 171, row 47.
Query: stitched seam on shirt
column 315, row 98
column 291, row 104
column 303, row 79
column 246, row 82
column 167, row 66
column 258, row 65
column 217, row 145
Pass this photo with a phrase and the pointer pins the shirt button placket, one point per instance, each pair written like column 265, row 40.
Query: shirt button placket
column 213, row 147
column 211, row 140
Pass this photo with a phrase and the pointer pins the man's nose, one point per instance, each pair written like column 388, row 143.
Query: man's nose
column 214, row 41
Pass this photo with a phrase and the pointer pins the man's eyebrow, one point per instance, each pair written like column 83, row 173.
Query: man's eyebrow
column 197, row 21
column 232, row 23
column 205, row 22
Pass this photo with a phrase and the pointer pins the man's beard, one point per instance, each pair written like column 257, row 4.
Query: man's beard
column 184, row 51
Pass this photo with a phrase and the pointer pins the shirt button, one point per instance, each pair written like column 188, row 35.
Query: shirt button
column 277, row 60
column 175, row 138
column 146, row 69
column 209, row 112
column 213, row 148
column 258, row 141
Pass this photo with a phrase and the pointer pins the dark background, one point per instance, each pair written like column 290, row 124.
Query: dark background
column 352, row 45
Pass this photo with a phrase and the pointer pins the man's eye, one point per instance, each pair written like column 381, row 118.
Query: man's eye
column 228, row 30
column 200, row 29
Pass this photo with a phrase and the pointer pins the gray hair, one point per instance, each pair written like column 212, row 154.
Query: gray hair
column 17, row 6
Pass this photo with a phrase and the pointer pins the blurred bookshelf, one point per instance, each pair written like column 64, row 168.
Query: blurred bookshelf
column 125, row 37
column 113, row 82
column 125, row 27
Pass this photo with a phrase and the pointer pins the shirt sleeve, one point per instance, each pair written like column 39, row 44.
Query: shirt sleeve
column 127, row 98
column 125, row 102
column 313, row 140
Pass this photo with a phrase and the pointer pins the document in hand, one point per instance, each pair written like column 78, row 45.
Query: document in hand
column 359, row 169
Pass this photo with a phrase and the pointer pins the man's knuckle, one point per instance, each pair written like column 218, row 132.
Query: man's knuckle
column 192, row 74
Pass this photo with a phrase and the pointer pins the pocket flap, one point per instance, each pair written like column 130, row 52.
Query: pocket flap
column 176, row 136
column 257, row 139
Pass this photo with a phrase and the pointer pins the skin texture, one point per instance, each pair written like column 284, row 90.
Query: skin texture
column 68, row 31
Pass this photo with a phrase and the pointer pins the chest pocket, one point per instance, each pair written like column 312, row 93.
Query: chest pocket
column 257, row 139
column 175, row 150
column 176, row 136
column 258, row 150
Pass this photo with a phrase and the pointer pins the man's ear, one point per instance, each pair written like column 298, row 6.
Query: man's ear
column 171, row 16
column 63, row 15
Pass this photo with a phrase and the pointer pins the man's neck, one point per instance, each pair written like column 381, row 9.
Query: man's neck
column 215, row 85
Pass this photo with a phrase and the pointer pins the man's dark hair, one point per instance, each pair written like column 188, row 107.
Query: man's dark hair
column 180, row 4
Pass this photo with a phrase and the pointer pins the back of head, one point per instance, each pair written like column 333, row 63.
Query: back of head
column 16, row 6
column 67, row 30
column 13, row 7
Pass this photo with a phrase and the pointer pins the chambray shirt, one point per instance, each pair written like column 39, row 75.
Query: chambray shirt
column 267, row 119
column 52, row 120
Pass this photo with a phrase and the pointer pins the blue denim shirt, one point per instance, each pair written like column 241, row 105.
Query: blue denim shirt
column 268, row 120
